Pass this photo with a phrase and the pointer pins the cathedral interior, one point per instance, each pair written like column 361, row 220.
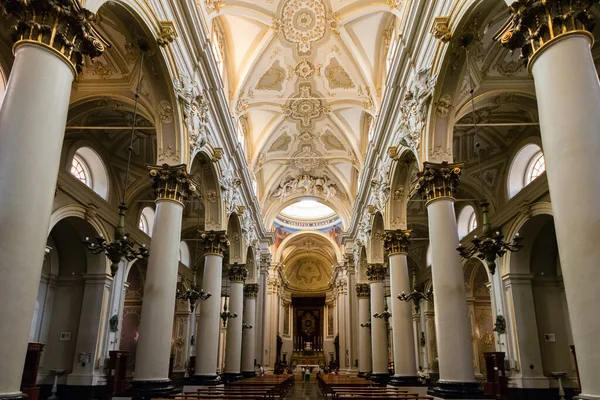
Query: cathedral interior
column 390, row 194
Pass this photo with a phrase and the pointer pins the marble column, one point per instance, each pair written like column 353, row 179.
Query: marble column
column 342, row 313
column 405, row 364
column 209, row 322
column 171, row 186
column 379, row 334
column 568, row 95
column 271, row 317
column 33, row 116
column 249, row 330
column 233, row 348
column 364, row 331
column 431, row 355
column 437, row 183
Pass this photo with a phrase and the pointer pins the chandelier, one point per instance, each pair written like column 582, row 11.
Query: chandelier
column 415, row 296
column 226, row 314
column 385, row 315
column 192, row 295
column 122, row 247
column 366, row 325
column 491, row 245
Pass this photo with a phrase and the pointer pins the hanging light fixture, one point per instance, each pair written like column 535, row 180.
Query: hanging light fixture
column 415, row 296
column 491, row 245
column 226, row 314
column 386, row 314
column 122, row 247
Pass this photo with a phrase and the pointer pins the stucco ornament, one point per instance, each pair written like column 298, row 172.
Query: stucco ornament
column 380, row 185
column 322, row 187
column 304, row 22
column 414, row 109
column 195, row 111
column 230, row 184
column 364, row 230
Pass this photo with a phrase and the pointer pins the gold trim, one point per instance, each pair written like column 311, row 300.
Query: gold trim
column 24, row 42
column 555, row 40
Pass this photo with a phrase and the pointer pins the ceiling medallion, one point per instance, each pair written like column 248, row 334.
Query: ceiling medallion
column 304, row 22
column 307, row 159
column 305, row 69
column 305, row 107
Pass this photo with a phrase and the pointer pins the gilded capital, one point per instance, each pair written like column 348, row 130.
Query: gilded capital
column 171, row 182
column 439, row 180
column 397, row 241
column 237, row 272
column 251, row 290
column 363, row 291
column 62, row 26
column 376, row 272
column 535, row 24
column 214, row 242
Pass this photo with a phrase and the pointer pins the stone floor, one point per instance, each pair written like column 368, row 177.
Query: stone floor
column 304, row 391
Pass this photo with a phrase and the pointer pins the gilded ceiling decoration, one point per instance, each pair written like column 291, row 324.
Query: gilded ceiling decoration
column 304, row 107
column 304, row 69
column 308, row 159
column 304, row 22
column 273, row 78
column 337, row 77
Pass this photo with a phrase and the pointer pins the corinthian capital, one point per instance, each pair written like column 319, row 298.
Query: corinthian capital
column 362, row 290
column 536, row 24
column 397, row 241
column 214, row 242
column 237, row 272
column 171, row 182
column 63, row 26
column 439, row 180
column 251, row 290
column 376, row 272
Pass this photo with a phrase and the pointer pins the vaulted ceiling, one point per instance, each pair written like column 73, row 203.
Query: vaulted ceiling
column 304, row 79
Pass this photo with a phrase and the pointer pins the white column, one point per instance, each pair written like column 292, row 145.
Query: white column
column 364, row 332
column 271, row 318
column 249, row 332
column 233, row 347
column 457, row 378
column 352, row 322
column 379, row 342
column 32, row 124
column 160, row 287
column 209, row 323
column 342, row 294
column 405, row 364
column 568, row 95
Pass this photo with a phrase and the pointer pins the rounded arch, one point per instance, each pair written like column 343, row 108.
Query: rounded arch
column 98, row 179
column 139, row 20
column 520, row 165
column 362, row 264
column 510, row 259
column 251, row 265
column 375, row 248
column 184, row 254
column 334, row 203
column 204, row 172
column 295, row 235
column 400, row 181
column 466, row 221
column 236, row 239
column 3, row 82
column 146, row 220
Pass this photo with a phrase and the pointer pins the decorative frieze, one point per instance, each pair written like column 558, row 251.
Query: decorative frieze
column 439, row 180
column 237, row 272
column 536, row 24
column 251, row 290
column 214, row 242
column 376, row 272
column 62, row 26
column 363, row 291
column 171, row 182
column 397, row 241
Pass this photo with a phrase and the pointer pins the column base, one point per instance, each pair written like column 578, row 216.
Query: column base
column 361, row 374
column 249, row 374
column 232, row 376
column 380, row 379
column 404, row 381
column 146, row 390
column 19, row 396
column 457, row 390
column 204, row 380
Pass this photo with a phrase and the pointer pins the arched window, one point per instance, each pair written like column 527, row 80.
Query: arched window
column 467, row 221
column 87, row 166
column 528, row 165
column 81, row 171
column 537, row 166
column 146, row 221
column 2, row 85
